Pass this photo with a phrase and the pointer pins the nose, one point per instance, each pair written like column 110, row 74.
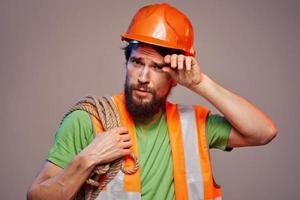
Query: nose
column 144, row 75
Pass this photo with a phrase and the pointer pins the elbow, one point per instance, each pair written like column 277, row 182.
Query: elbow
column 30, row 194
column 268, row 135
column 33, row 194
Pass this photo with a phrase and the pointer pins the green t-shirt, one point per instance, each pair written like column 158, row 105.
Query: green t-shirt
column 155, row 160
column 76, row 132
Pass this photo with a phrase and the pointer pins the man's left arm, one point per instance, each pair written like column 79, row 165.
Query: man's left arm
column 250, row 126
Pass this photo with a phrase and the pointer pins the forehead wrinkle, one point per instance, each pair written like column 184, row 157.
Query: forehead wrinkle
column 148, row 52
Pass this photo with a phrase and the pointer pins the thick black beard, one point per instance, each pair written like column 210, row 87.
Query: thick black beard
column 142, row 110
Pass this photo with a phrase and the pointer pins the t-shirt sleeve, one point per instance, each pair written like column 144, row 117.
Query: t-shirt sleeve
column 73, row 135
column 218, row 130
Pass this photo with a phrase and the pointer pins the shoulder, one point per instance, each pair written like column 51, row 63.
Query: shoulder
column 218, row 130
column 77, row 116
column 77, row 124
column 75, row 119
column 72, row 136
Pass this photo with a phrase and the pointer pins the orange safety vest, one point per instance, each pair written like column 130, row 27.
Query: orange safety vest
column 193, row 177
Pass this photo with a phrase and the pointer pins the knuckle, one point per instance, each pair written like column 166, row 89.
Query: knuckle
column 113, row 131
column 118, row 129
column 118, row 138
column 174, row 58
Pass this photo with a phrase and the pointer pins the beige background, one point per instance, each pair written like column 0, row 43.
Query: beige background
column 54, row 52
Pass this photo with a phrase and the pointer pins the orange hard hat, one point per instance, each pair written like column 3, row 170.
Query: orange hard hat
column 162, row 25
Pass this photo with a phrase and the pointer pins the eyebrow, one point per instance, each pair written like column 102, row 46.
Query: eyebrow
column 159, row 65
column 133, row 58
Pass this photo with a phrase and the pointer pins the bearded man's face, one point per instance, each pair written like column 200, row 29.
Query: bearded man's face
column 147, row 86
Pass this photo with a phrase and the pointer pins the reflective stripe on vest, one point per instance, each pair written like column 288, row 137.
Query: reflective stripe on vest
column 191, row 152
column 193, row 163
column 115, row 190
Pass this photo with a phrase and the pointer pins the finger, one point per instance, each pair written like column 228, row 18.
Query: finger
column 125, row 152
column 174, row 61
column 167, row 59
column 125, row 137
column 180, row 64
column 188, row 61
column 193, row 62
column 120, row 130
column 126, row 145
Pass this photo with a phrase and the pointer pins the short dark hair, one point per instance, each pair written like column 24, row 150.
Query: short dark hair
column 163, row 51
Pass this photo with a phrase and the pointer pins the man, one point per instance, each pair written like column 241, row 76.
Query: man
column 170, row 140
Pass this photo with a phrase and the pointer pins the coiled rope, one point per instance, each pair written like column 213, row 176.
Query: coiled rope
column 104, row 110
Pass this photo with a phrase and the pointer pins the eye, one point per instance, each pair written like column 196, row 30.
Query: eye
column 136, row 62
column 158, row 67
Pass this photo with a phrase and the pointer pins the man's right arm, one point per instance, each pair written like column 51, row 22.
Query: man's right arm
column 58, row 181
column 54, row 182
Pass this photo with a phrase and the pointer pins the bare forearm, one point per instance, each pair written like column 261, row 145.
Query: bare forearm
column 56, row 183
column 243, row 116
column 65, row 184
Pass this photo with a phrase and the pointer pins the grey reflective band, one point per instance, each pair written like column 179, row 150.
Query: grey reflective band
column 115, row 190
column 117, row 195
column 191, row 152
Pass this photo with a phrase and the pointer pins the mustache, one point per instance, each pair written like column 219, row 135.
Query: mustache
column 142, row 87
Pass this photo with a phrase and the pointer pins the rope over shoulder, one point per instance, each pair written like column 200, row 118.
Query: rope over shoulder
column 104, row 110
